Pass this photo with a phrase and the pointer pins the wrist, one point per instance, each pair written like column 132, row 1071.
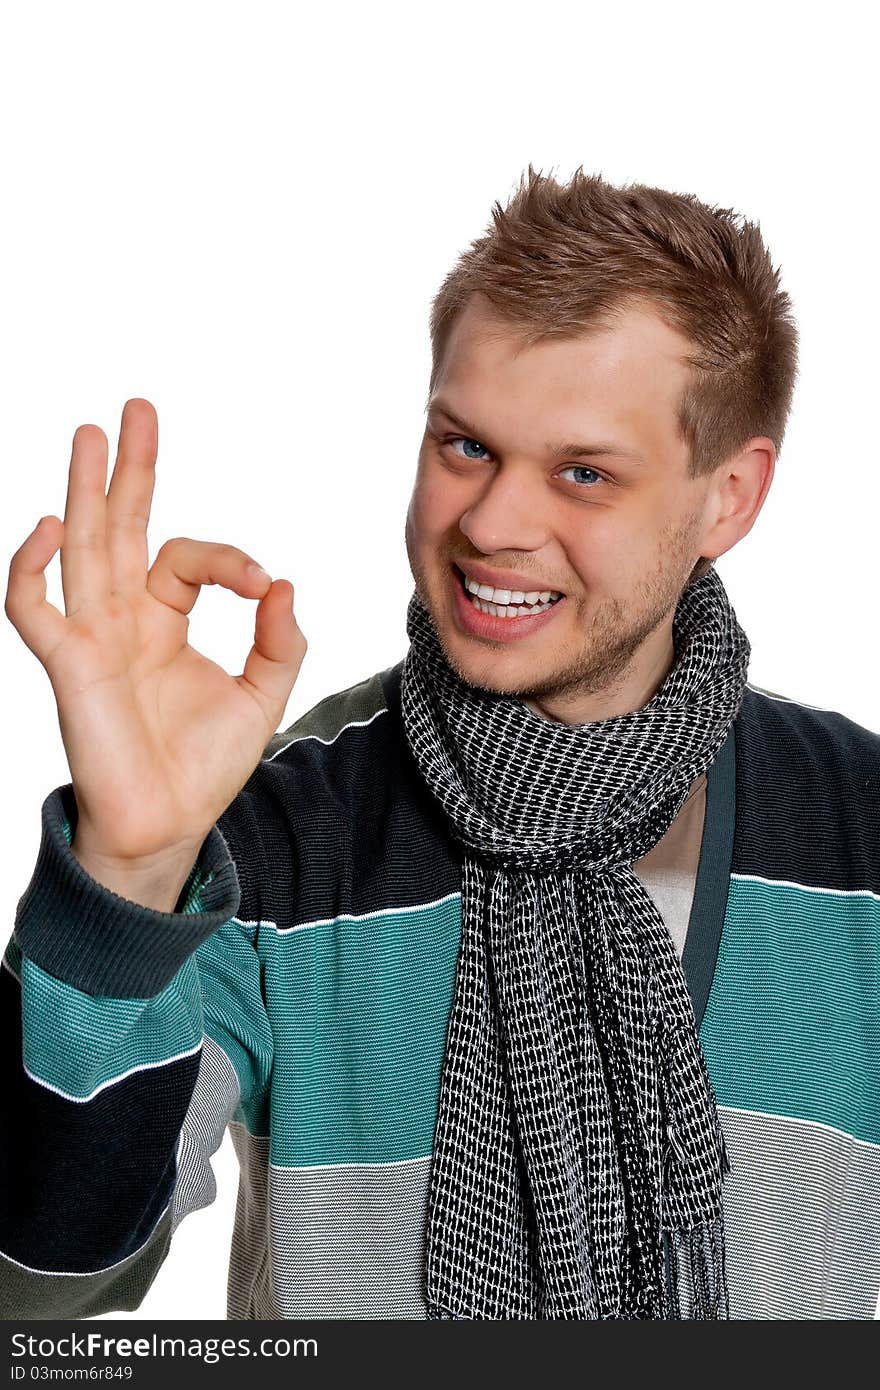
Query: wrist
column 154, row 881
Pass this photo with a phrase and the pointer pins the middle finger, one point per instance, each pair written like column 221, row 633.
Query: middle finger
column 130, row 496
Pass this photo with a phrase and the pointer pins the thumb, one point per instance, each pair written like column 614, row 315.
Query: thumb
column 275, row 659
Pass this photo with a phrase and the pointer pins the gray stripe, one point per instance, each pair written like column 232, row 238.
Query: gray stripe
column 25, row 1294
column 249, row 1287
column 214, row 1101
column 787, row 699
column 347, row 1241
column 360, row 702
column 803, row 1230
column 802, row 1219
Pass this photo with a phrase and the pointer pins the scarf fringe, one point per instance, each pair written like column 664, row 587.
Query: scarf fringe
column 696, row 1275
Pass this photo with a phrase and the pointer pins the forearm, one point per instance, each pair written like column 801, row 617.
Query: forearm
column 88, row 1129
column 101, row 1033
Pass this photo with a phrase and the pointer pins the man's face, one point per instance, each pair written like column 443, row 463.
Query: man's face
column 615, row 532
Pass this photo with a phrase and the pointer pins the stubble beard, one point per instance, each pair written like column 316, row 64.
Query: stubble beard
column 599, row 658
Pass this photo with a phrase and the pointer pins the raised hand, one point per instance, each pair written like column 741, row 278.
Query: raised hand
column 159, row 738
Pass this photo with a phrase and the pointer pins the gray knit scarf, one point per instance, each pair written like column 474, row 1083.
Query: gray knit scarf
column 578, row 1156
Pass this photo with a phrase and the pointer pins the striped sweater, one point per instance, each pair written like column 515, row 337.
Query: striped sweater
column 299, row 995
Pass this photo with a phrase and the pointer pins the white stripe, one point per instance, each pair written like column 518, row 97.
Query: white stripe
column 329, row 1167
column 113, row 1080
column 355, row 724
column 84, row 1273
column 809, row 888
column 786, row 700
column 363, row 916
column 798, row 1120
column 343, row 917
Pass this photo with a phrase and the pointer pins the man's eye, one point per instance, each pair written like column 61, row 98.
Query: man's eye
column 574, row 468
column 460, row 439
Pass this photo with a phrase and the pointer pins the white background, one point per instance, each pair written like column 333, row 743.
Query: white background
column 241, row 212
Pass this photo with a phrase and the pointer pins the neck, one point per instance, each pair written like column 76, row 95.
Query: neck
column 637, row 685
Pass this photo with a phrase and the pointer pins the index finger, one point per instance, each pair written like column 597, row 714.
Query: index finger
column 85, row 575
column 130, row 495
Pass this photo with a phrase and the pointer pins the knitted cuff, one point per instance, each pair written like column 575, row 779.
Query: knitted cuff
column 83, row 933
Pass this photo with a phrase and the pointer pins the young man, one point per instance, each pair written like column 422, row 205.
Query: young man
column 536, row 976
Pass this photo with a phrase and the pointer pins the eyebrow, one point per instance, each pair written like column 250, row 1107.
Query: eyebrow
column 601, row 447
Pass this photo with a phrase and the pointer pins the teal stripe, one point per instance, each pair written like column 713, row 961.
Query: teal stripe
column 235, row 1016
column 360, row 1011
column 792, row 1026
column 103, row 1038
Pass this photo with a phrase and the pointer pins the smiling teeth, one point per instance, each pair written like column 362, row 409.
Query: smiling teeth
column 495, row 610
column 509, row 603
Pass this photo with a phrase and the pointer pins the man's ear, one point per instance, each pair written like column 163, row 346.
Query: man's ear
column 738, row 491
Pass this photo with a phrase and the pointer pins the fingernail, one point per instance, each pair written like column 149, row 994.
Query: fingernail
column 258, row 569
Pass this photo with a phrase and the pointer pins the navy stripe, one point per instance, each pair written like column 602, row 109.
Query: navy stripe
column 713, row 877
column 67, row 1156
column 347, row 827
column 61, row 1296
column 811, row 781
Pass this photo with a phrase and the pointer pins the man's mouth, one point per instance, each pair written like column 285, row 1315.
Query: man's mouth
column 506, row 603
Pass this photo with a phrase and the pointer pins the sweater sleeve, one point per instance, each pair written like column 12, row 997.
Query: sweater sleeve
column 129, row 1038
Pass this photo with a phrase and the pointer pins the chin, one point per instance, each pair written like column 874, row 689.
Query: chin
column 500, row 674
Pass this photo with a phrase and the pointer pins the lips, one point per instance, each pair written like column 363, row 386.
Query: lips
column 505, row 579
column 473, row 623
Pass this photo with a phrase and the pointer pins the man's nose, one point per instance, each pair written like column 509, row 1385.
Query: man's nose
column 509, row 514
